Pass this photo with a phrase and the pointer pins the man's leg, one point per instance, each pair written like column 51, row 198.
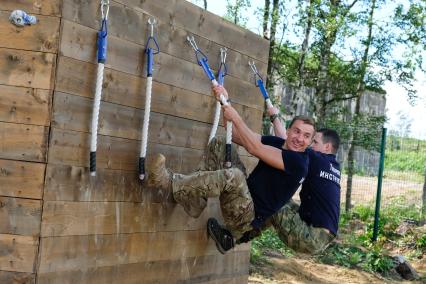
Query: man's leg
column 231, row 188
column 295, row 233
column 214, row 156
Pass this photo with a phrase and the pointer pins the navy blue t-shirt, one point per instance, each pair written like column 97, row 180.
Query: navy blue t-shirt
column 271, row 188
column 320, row 194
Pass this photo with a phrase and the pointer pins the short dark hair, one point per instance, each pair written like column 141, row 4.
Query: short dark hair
column 330, row 136
column 306, row 119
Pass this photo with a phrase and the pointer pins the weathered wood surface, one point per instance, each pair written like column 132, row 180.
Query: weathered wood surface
column 72, row 148
column 77, row 77
column 79, row 42
column 21, row 179
column 25, row 105
column 27, row 68
column 183, row 14
column 20, row 216
column 232, row 268
column 23, row 142
column 171, row 39
column 18, row 254
column 10, row 277
column 62, row 218
column 42, row 7
column 90, row 251
column 40, row 37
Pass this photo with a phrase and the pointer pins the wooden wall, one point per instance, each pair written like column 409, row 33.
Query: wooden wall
column 58, row 225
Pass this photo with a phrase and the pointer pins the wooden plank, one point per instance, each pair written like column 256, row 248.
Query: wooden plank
column 27, row 68
column 20, row 216
column 171, row 39
column 40, row 37
column 79, row 42
column 74, row 113
column 64, row 218
column 181, row 13
column 23, row 142
column 185, row 270
column 77, row 77
column 84, row 252
column 21, row 179
column 25, row 105
column 17, row 277
column 18, row 254
column 74, row 183
column 72, row 148
column 41, row 7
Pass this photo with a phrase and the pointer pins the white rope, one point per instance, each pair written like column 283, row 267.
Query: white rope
column 215, row 122
column 146, row 120
column 96, row 107
column 228, row 132
column 268, row 103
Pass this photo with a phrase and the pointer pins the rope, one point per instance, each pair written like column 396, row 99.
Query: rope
column 102, row 52
column 220, row 79
column 148, row 91
column 203, row 62
column 258, row 81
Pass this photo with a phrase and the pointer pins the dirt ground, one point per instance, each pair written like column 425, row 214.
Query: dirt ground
column 302, row 269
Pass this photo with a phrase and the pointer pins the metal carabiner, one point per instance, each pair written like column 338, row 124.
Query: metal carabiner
column 192, row 42
column 104, row 14
column 152, row 22
column 223, row 54
column 255, row 72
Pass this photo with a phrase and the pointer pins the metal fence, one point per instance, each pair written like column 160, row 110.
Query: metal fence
column 403, row 177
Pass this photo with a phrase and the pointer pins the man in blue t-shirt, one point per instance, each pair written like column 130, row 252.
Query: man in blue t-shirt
column 311, row 226
column 246, row 203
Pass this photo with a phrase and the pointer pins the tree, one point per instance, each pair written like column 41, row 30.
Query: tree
column 235, row 12
column 424, row 198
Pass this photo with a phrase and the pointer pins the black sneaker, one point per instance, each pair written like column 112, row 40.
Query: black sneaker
column 222, row 237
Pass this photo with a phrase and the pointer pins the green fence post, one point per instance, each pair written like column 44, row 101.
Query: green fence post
column 379, row 185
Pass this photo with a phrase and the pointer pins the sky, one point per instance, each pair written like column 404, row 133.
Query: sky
column 396, row 99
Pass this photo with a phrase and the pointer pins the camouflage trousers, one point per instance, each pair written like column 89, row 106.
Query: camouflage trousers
column 192, row 191
column 298, row 235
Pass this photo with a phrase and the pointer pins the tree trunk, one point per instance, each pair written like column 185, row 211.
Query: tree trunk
column 359, row 93
column 274, row 23
column 266, row 19
column 424, row 199
column 205, row 4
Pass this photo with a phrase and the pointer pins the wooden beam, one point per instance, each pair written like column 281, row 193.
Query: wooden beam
column 27, row 68
column 21, row 179
column 40, row 37
column 23, row 142
column 18, row 254
column 20, row 216
column 201, row 269
column 63, row 218
column 72, row 148
column 25, row 105
column 85, row 252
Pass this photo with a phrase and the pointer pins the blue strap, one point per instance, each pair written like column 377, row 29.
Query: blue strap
column 149, row 61
column 205, row 64
column 102, row 42
column 222, row 73
column 262, row 89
